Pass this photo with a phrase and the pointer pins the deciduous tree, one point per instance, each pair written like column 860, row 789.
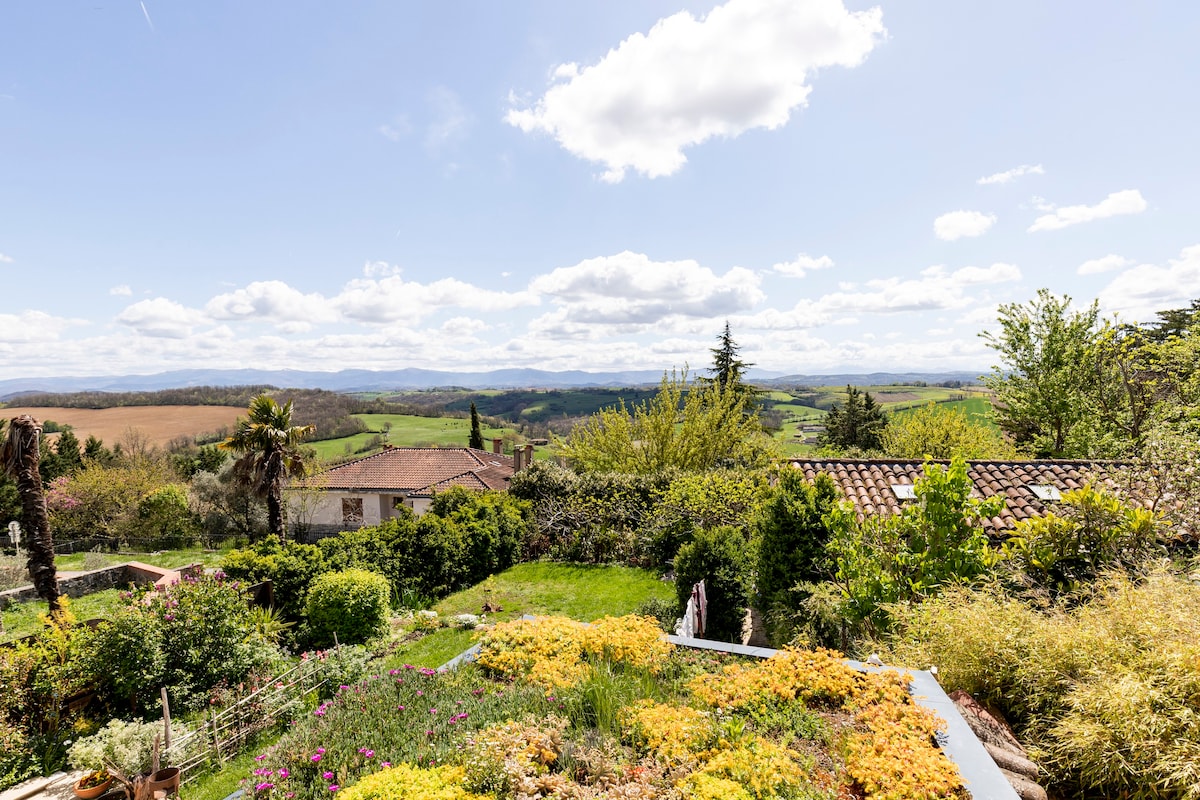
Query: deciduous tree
column 942, row 432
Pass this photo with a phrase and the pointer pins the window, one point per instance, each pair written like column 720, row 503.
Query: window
column 1045, row 491
column 904, row 491
column 352, row 513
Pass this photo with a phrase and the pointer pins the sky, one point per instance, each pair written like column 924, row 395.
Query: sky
column 591, row 185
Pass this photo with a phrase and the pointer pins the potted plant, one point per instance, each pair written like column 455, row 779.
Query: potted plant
column 92, row 784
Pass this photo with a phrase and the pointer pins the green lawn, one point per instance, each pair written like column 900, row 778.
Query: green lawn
column 22, row 619
column 581, row 591
column 82, row 562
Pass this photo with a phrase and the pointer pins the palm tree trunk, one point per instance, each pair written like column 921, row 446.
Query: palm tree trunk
column 20, row 457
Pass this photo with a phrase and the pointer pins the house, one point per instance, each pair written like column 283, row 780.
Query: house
column 369, row 490
column 1029, row 488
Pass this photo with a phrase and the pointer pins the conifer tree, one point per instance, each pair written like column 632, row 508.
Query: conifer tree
column 476, row 440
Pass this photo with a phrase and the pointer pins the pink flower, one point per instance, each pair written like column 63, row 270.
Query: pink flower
column 262, row 787
column 327, row 776
column 315, row 757
column 333, row 787
column 385, row 764
column 283, row 773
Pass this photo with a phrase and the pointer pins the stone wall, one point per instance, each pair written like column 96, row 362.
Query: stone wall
column 98, row 580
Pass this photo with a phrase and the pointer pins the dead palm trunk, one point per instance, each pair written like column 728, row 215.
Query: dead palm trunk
column 20, row 459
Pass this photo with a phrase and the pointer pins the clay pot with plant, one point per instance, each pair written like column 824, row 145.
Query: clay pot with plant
column 92, row 784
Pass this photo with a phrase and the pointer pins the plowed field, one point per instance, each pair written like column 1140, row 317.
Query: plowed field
column 157, row 424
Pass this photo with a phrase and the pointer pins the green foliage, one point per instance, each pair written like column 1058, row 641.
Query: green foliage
column 290, row 566
column 495, row 526
column 1105, row 695
column 165, row 520
column 1093, row 532
column 188, row 637
column 721, row 558
column 692, row 427
column 936, row 541
column 857, row 425
column 127, row 746
column 476, row 438
column 103, row 502
column 595, row 518
column 18, row 761
column 351, row 605
column 727, row 369
column 942, row 432
column 267, row 444
column 696, row 501
column 790, row 535
column 1046, row 352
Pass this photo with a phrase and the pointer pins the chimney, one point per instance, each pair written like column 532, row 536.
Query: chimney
column 528, row 459
column 517, row 454
column 498, row 446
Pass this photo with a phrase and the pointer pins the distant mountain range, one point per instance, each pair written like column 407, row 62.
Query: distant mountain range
column 361, row 380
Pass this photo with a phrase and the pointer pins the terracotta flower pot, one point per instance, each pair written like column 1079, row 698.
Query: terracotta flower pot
column 166, row 780
column 92, row 792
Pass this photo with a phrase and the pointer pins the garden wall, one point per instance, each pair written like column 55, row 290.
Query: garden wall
column 79, row 584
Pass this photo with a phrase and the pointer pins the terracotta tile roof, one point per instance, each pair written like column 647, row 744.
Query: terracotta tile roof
column 418, row 470
column 868, row 483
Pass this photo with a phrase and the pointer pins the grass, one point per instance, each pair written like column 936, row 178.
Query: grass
column 223, row 782
column 580, row 591
column 22, row 619
column 406, row 430
column 83, row 562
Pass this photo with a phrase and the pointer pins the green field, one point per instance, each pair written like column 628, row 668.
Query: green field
column 405, row 430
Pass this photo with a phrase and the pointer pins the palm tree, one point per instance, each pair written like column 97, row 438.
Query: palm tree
column 19, row 458
column 268, row 446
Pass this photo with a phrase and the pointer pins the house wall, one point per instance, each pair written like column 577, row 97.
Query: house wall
column 323, row 511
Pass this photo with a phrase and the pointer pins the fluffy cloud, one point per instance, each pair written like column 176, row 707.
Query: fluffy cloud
column 744, row 65
column 1104, row 264
column 122, row 290
column 802, row 265
column 935, row 289
column 631, row 289
column 5, row 259
column 392, row 298
column 272, row 301
column 957, row 224
column 1010, row 175
column 1129, row 201
column 161, row 318
column 33, row 326
column 1139, row 292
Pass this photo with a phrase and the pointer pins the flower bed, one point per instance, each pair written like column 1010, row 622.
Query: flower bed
column 553, row 708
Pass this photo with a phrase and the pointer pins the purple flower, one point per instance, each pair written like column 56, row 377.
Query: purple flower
column 315, row 758
column 385, row 764
column 327, row 776
column 262, row 787
column 283, row 773
column 333, row 787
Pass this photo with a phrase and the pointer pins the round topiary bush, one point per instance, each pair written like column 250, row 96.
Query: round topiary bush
column 353, row 604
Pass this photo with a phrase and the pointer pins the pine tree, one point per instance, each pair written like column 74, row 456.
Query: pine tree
column 727, row 368
column 859, row 424
column 476, row 440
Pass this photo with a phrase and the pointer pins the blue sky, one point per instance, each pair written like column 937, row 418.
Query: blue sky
column 584, row 185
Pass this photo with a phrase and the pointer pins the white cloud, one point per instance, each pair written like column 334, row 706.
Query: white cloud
column 957, row 224
column 161, row 318
column 1103, row 264
column 380, row 269
column 450, row 120
column 272, row 301
column 33, row 326
column 744, row 65
column 392, row 298
column 396, row 129
column 1010, row 175
column 121, row 291
column 996, row 273
column 935, row 289
column 1129, row 201
column 631, row 289
column 1138, row 292
column 5, row 259
column 802, row 265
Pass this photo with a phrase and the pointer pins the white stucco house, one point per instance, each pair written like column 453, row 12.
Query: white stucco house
column 369, row 490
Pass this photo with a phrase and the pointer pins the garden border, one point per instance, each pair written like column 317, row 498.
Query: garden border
column 981, row 776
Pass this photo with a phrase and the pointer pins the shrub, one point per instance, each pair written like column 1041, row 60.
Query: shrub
column 404, row 782
column 188, row 637
column 17, row 759
column 790, row 538
column 1094, row 532
column 290, row 566
column 351, row 604
column 721, row 558
column 127, row 746
column 1105, row 695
